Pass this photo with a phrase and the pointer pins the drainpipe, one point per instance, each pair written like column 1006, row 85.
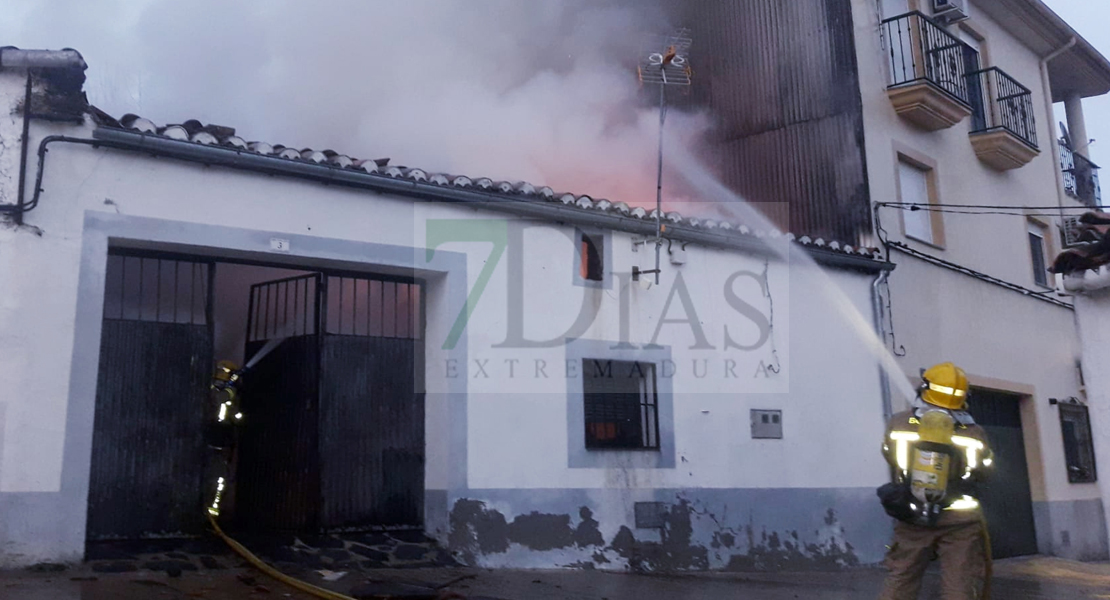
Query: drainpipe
column 1046, row 83
column 14, row 58
column 24, row 144
column 880, row 330
column 1077, row 125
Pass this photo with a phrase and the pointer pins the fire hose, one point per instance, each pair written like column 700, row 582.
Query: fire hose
column 259, row 564
column 250, row 557
column 241, row 550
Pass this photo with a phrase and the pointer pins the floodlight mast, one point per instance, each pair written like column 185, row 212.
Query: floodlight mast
column 669, row 67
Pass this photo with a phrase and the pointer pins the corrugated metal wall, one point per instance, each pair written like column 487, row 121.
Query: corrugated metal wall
column 782, row 80
column 148, row 445
column 372, row 432
column 279, row 473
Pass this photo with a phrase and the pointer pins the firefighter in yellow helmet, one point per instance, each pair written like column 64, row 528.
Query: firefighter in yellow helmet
column 938, row 456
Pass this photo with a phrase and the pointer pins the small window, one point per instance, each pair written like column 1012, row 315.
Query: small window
column 915, row 185
column 622, row 409
column 1079, row 450
column 591, row 248
column 1037, row 248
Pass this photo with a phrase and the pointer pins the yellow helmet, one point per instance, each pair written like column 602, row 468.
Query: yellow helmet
column 224, row 370
column 945, row 386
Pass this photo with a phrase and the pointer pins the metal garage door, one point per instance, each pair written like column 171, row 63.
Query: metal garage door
column 1007, row 501
column 334, row 435
column 155, row 358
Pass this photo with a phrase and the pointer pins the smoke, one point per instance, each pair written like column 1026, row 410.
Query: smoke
column 539, row 90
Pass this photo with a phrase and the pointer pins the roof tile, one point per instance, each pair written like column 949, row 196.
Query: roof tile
column 196, row 132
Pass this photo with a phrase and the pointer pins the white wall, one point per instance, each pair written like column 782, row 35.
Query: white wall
column 41, row 311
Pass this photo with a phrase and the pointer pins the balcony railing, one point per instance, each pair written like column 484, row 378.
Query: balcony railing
column 1080, row 177
column 922, row 51
column 999, row 102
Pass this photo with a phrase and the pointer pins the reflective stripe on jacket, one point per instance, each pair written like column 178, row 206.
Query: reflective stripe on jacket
column 968, row 467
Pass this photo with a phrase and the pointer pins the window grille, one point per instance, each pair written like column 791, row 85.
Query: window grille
column 366, row 307
column 621, row 405
column 156, row 289
column 1079, row 452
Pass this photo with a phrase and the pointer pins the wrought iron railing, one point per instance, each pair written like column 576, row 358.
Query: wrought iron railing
column 999, row 102
column 920, row 50
column 1080, row 177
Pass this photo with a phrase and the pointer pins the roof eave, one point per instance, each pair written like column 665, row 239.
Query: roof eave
column 553, row 211
column 1081, row 70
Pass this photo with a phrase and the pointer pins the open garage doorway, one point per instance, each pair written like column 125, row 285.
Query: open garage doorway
column 333, row 431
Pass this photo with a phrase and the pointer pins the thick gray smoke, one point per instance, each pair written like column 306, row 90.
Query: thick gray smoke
column 536, row 90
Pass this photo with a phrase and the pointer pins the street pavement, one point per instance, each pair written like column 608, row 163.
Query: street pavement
column 1036, row 578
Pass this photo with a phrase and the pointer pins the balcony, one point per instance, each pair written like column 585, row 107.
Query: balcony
column 1004, row 132
column 928, row 71
column 1080, row 177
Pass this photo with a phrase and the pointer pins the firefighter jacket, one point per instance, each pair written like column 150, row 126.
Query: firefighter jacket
column 967, row 470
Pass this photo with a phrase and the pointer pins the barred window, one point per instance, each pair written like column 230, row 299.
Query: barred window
column 621, row 405
column 1079, row 452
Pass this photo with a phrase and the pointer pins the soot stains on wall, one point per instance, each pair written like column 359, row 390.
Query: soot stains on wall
column 692, row 539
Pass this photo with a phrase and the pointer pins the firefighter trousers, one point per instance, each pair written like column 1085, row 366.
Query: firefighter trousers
column 958, row 545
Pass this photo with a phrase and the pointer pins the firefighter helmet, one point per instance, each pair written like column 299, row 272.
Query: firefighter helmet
column 945, row 386
column 224, row 370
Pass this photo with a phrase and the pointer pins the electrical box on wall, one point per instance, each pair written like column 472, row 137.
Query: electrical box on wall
column 766, row 424
column 650, row 515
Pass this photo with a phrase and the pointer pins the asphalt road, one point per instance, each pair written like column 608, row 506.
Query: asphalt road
column 1023, row 579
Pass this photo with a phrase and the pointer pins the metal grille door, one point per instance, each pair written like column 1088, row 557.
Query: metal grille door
column 278, row 475
column 334, row 427
column 1007, row 501
column 155, row 357
column 372, row 416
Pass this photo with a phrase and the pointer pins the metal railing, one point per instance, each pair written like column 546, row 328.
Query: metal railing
column 1080, row 177
column 999, row 102
column 920, row 50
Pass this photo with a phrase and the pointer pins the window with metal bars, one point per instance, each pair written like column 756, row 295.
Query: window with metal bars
column 621, row 405
column 155, row 289
column 1079, row 452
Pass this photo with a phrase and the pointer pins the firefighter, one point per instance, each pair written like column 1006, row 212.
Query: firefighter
column 938, row 456
column 223, row 418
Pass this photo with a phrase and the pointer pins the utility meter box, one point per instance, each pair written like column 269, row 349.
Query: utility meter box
column 766, row 424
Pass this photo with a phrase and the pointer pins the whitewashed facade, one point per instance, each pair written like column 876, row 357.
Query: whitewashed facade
column 508, row 480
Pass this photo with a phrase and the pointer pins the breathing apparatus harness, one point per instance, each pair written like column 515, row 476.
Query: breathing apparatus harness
column 923, row 488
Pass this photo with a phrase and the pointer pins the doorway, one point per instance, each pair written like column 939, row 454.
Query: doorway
column 333, row 430
column 1006, row 497
column 336, row 440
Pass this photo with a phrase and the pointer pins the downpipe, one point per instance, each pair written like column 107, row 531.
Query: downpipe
column 880, row 330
